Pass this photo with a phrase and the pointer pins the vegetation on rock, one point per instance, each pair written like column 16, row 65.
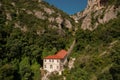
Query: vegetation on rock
column 29, row 32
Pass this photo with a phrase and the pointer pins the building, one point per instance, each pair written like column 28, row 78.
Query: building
column 55, row 62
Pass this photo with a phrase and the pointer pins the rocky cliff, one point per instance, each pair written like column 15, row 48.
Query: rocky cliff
column 97, row 12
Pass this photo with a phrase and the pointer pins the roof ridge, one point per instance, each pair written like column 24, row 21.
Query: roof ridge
column 60, row 54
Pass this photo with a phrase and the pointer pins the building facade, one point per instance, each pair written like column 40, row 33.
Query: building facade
column 55, row 62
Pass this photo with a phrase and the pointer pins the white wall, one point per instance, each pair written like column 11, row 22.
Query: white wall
column 54, row 62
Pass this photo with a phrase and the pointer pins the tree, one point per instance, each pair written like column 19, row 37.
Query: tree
column 7, row 72
column 115, row 71
column 25, row 70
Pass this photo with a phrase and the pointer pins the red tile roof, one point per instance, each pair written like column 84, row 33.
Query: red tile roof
column 60, row 55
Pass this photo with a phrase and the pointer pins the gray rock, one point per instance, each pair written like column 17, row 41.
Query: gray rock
column 51, row 19
column 29, row 12
column 86, row 22
column 8, row 16
column 99, row 13
column 59, row 20
column 68, row 24
column 109, row 14
column 39, row 14
column 48, row 11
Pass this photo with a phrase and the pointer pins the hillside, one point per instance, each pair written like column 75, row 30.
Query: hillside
column 97, row 49
column 97, row 54
column 30, row 30
column 33, row 29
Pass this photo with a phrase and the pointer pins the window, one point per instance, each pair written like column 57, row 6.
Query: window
column 51, row 66
column 49, row 60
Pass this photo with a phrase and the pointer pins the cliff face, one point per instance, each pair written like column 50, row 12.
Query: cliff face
column 97, row 12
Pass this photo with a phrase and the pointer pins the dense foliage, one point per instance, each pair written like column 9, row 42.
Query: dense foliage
column 22, row 49
column 97, row 53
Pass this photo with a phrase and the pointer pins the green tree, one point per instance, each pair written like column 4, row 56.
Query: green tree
column 25, row 69
column 7, row 72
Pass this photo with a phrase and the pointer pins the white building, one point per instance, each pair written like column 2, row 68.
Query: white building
column 55, row 62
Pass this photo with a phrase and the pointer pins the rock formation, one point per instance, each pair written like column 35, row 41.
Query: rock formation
column 96, row 13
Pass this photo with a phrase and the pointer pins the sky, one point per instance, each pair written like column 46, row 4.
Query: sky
column 69, row 6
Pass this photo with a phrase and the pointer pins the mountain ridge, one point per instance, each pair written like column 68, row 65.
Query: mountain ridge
column 97, row 12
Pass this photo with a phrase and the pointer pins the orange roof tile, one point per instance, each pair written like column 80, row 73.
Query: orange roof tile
column 60, row 55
